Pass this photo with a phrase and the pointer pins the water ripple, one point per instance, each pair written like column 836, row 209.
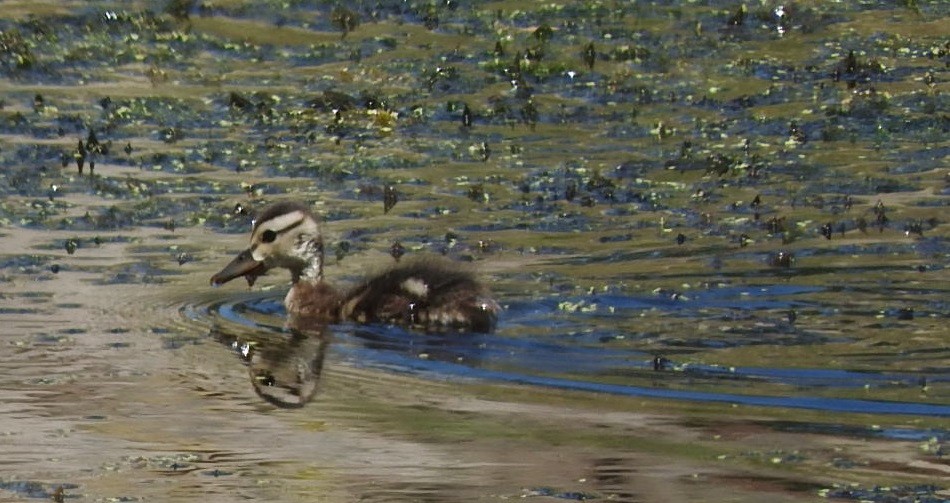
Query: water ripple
column 550, row 359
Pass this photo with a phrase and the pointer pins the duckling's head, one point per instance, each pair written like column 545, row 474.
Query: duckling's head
column 284, row 235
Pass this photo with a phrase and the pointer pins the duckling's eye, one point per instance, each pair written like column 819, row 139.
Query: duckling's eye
column 268, row 236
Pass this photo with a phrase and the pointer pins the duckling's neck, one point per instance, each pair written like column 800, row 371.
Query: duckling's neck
column 310, row 299
column 311, row 252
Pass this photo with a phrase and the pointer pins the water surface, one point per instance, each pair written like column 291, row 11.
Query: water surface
column 718, row 232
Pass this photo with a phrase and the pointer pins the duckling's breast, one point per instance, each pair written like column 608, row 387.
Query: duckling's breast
column 317, row 302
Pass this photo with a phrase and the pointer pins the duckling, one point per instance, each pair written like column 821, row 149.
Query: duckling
column 430, row 294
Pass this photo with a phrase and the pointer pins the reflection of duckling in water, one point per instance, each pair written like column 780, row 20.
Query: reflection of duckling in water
column 431, row 294
column 284, row 370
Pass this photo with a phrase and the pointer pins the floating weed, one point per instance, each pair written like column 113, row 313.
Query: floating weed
column 24, row 263
column 911, row 493
column 41, row 490
column 169, row 463
column 138, row 273
column 550, row 492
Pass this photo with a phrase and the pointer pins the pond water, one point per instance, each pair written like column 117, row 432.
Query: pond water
column 718, row 232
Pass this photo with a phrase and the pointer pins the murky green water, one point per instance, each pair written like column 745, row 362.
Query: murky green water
column 719, row 233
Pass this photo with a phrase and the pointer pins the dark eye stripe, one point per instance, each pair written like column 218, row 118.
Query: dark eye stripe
column 291, row 226
column 270, row 235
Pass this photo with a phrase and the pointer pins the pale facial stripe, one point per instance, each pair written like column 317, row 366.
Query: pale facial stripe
column 282, row 223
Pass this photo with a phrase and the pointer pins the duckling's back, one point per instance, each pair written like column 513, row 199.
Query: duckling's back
column 433, row 294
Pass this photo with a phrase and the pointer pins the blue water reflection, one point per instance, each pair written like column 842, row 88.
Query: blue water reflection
column 519, row 353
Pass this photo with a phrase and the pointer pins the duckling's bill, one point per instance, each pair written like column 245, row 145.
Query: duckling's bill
column 242, row 265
